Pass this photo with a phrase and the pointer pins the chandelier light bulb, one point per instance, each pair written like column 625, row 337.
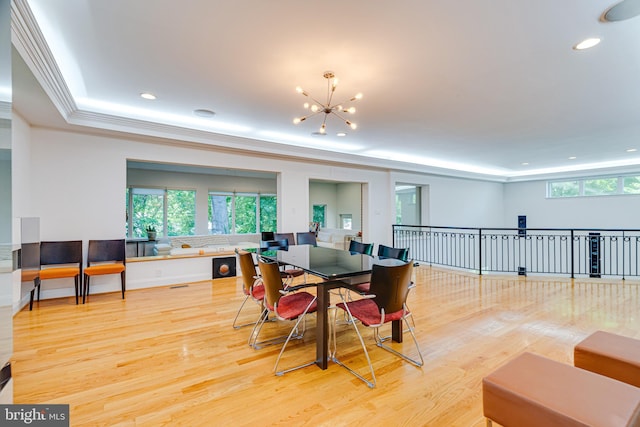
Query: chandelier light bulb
column 328, row 107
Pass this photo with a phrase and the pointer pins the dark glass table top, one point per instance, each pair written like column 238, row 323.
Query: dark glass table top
column 328, row 263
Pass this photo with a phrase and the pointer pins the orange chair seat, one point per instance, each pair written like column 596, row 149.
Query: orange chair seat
column 59, row 272
column 99, row 269
column 29, row 275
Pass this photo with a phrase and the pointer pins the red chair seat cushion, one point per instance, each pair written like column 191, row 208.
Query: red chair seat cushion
column 367, row 311
column 258, row 292
column 99, row 269
column 59, row 272
column 363, row 287
column 293, row 305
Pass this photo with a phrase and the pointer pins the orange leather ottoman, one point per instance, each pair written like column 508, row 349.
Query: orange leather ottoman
column 611, row 355
column 533, row 391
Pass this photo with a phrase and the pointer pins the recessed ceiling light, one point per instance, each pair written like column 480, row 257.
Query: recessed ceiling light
column 587, row 43
column 626, row 9
column 147, row 95
column 572, row 158
column 631, row 150
column 203, row 112
column 319, row 133
column 525, row 163
column 341, row 134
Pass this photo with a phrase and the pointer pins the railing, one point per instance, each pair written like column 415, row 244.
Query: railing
column 573, row 252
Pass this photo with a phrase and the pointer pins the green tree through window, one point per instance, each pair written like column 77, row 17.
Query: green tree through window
column 242, row 213
column 181, row 212
column 170, row 212
column 268, row 213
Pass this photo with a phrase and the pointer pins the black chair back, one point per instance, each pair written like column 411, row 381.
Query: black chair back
column 274, row 245
column 307, row 238
column 289, row 236
column 398, row 253
column 61, row 252
column 390, row 285
column 361, row 248
column 106, row 250
column 267, row 235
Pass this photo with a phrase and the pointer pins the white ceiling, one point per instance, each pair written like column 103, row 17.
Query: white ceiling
column 464, row 87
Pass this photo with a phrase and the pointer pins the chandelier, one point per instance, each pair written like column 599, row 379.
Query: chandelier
column 317, row 107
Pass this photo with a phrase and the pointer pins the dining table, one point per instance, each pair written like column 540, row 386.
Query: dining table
column 338, row 269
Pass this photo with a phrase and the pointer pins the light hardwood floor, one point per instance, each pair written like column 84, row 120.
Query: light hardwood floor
column 169, row 356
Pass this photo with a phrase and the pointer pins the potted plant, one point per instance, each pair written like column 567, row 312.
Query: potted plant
column 151, row 232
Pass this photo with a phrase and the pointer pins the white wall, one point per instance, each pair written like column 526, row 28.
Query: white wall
column 77, row 183
column 325, row 193
column 529, row 198
column 458, row 202
column 22, row 199
column 349, row 202
column 340, row 198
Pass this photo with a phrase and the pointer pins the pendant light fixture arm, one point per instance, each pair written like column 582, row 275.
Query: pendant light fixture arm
column 327, row 108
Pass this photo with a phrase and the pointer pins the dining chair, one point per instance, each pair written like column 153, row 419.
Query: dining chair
column 306, row 238
column 384, row 252
column 289, row 236
column 282, row 245
column 361, row 248
column 292, row 304
column 389, row 252
column 252, row 286
column 274, row 245
column 387, row 303
column 61, row 259
column 267, row 235
column 105, row 257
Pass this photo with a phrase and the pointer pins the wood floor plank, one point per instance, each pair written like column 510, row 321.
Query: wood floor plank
column 169, row 356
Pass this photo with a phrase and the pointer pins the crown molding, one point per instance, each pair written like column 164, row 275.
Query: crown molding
column 30, row 42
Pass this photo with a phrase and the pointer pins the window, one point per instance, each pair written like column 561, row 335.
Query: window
column 594, row 186
column 631, row 185
column 220, row 213
column 319, row 215
column 146, row 207
column 347, row 221
column 241, row 213
column 268, row 213
column 181, row 212
column 245, row 214
column 600, row 186
column 171, row 212
column 564, row 189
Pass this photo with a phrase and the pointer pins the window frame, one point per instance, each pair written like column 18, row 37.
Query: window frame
column 164, row 226
column 620, row 188
column 257, row 196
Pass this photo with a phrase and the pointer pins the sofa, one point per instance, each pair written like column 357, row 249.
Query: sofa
column 335, row 238
column 208, row 244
